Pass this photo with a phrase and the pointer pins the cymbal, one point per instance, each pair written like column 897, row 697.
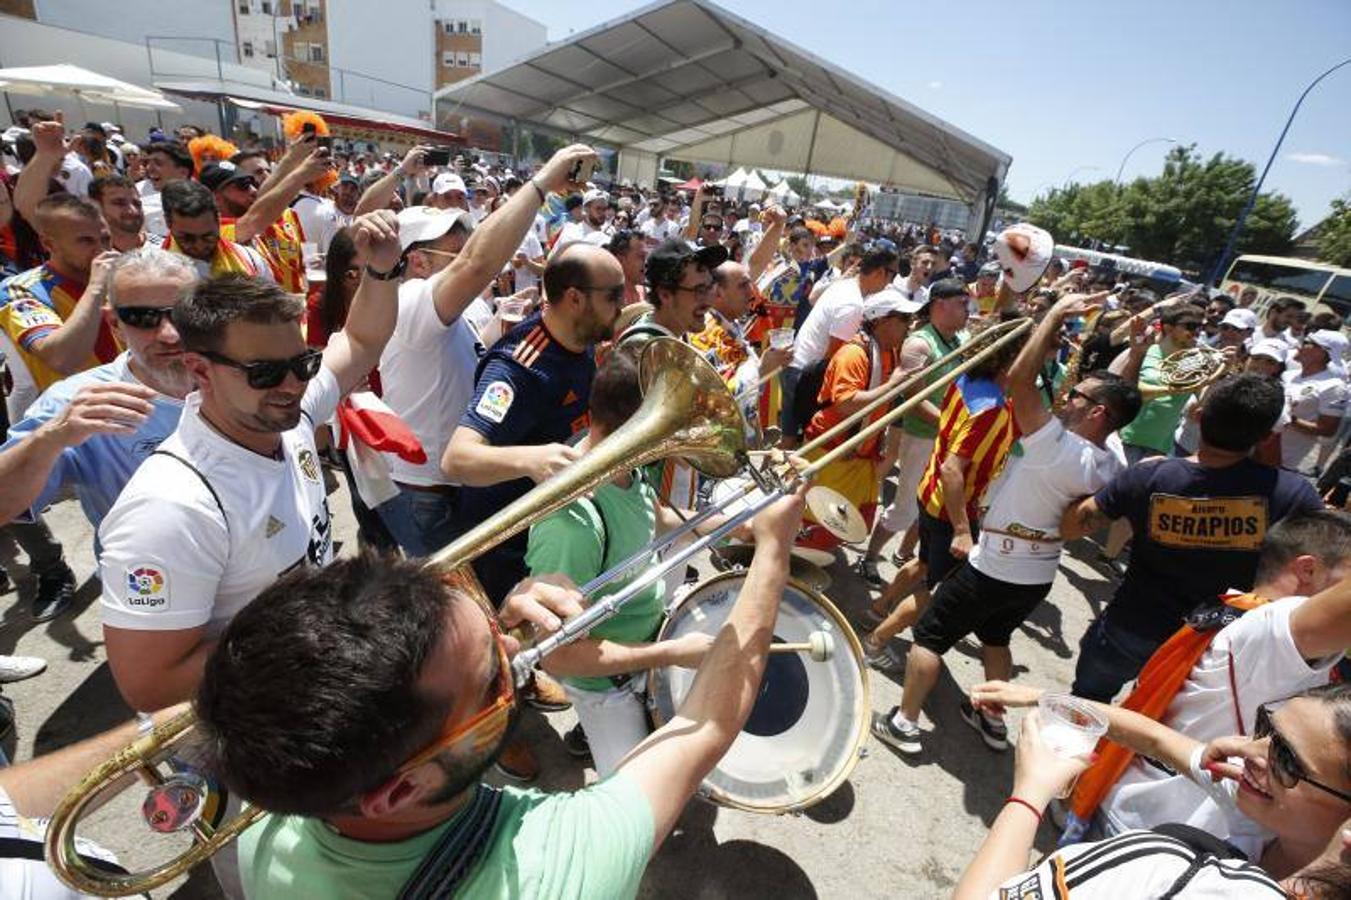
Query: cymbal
column 836, row 514
column 738, row 556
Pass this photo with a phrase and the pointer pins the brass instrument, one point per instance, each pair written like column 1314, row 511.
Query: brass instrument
column 1194, row 367
column 1076, row 359
column 687, row 411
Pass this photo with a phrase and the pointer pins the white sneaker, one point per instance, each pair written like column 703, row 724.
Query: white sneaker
column 17, row 668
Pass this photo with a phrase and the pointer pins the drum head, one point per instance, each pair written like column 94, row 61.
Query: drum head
column 804, row 734
column 739, row 556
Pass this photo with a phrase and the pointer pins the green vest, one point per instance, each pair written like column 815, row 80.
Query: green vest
column 938, row 347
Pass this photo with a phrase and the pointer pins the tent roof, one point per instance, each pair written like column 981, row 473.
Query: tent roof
column 691, row 80
column 68, row 79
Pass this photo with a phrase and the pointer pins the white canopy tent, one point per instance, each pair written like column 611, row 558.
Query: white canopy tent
column 688, row 79
column 87, row 86
column 784, row 194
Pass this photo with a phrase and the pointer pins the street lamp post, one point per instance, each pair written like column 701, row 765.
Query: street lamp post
column 1257, row 188
column 1121, row 168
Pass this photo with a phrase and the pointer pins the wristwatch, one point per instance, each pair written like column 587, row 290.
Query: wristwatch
column 392, row 274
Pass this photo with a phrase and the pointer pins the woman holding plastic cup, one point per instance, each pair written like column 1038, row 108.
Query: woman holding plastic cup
column 1292, row 777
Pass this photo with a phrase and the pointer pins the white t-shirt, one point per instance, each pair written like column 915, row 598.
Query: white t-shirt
column 919, row 295
column 660, row 229
column 837, row 314
column 427, row 370
column 1308, row 397
column 574, row 232
column 74, row 175
column 320, row 219
column 1136, row 865
column 1019, row 532
column 153, row 207
column 32, row 879
column 532, row 249
column 193, row 539
column 1266, row 667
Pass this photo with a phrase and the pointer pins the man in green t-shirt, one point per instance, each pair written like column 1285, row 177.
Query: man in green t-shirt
column 361, row 705
column 590, row 536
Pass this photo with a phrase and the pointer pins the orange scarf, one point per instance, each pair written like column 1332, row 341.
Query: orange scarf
column 1159, row 681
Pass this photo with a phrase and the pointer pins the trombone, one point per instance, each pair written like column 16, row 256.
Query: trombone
column 687, row 411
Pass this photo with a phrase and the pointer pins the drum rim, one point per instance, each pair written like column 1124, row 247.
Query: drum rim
column 863, row 703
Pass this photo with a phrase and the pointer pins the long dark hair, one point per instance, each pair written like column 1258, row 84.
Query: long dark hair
column 334, row 300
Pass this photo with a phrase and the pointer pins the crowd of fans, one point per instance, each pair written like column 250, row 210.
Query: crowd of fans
column 201, row 339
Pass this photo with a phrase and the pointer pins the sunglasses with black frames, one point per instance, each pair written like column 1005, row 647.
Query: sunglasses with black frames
column 145, row 317
column 1285, row 763
column 265, row 374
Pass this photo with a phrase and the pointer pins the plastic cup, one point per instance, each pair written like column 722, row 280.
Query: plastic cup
column 780, row 338
column 1070, row 726
column 513, row 310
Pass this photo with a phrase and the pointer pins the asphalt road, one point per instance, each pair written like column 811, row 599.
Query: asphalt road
column 897, row 828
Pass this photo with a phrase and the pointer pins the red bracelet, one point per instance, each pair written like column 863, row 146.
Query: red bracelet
column 1021, row 802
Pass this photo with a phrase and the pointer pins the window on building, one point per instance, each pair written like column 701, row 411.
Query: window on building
column 247, row 49
column 448, row 27
column 475, row 26
column 447, row 58
column 243, row 7
column 267, row 7
column 302, row 90
column 316, row 52
column 462, row 59
column 462, row 26
column 476, row 60
column 320, row 93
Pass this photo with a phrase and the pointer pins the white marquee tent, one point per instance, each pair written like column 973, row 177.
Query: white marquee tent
column 688, row 79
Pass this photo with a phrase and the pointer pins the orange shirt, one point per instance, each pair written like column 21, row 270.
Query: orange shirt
column 851, row 370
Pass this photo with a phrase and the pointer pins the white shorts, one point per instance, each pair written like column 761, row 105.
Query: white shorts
column 910, row 465
column 615, row 721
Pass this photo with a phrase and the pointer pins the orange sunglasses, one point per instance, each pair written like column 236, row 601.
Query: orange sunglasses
column 485, row 725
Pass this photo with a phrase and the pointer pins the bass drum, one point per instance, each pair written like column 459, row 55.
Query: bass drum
column 806, row 730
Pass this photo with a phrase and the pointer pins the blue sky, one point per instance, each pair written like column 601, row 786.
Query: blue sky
column 1065, row 85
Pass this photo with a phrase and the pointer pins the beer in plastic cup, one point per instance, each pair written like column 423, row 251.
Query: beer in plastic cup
column 780, row 338
column 513, row 310
column 1070, row 727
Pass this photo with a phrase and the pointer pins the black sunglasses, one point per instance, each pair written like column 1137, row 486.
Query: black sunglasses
column 1075, row 392
column 268, row 373
column 145, row 317
column 1284, row 762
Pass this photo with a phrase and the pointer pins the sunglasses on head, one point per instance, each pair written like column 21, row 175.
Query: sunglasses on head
column 145, row 317
column 264, row 374
column 486, row 724
column 1282, row 759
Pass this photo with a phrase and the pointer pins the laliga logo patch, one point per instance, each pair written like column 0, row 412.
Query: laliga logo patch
column 309, row 466
column 496, row 400
column 147, row 588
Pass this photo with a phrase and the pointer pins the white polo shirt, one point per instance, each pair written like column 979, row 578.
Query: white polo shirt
column 196, row 535
column 837, row 314
column 1307, row 397
column 427, row 371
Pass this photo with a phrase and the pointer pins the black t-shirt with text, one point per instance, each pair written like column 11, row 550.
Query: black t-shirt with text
column 1198, row 532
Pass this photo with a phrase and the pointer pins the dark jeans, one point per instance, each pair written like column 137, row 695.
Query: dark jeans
column 371, row 529
column 789, row 426
column 935, row 546
column 1109, row 657
column 41, row 546
column 421, row 521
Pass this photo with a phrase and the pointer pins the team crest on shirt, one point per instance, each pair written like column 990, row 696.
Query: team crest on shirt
column 309, row 466
column 148, row 588
column 496, row 400
column 31, row 313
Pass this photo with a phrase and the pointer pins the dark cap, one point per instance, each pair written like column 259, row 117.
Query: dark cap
column 217, row 175
column 349, row 178
column 666, row 261
column 947, row 287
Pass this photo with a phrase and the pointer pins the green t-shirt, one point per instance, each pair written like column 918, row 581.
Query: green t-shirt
column 589, row 843
column 939, row 347
column 1154, row 426
column 587, row 537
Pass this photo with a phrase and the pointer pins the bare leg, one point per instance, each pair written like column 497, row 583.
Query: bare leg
column 909, row 575
column 998, row 663
column 878, row 540
column 910, row 539
column 922, row 668
column 906, row 613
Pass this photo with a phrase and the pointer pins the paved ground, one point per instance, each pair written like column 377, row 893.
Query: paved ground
column 898, row 828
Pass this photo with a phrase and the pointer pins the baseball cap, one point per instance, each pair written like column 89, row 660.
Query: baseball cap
column 1271, row 349
column 889, row 301
column 666, row 261
column 1242, row 319
column 1024, row 252
column 594, row 195
column 349, row 178
column 427, row 223
column 1334, row 342
column 447, row 182
column 217, row 175
column 990, row 270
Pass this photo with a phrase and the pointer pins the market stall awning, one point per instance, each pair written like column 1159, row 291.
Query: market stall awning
column 687, row 79
column 279, row 103
column 73, row 81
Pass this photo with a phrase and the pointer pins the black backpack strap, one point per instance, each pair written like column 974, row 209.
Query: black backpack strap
column 457, row 851
column 194, row 470
column 22, row 848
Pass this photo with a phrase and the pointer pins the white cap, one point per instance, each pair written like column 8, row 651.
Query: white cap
column 1334, row 342
column 447, row 182
column 889, row 301
column 594, row 195
column 1272, row 349
column 1242, row 319
column 129, row 147
column 427, row 223
column 1024, row 252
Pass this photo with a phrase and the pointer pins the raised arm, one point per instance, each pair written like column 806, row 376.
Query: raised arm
column 355, row 350
column 279, row 193
column 50, row 140
column 378, row 195
column 764, row 251
column 67, row 348
column 496, row 239
column 670, row 764
column 1028, row 410
column 1321, row 626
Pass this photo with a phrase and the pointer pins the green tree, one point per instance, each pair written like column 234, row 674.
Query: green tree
column 800, row 187
column 1334, row 234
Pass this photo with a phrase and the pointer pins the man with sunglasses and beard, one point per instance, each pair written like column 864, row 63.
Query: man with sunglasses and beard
column 361, row 707
column 234, row 497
